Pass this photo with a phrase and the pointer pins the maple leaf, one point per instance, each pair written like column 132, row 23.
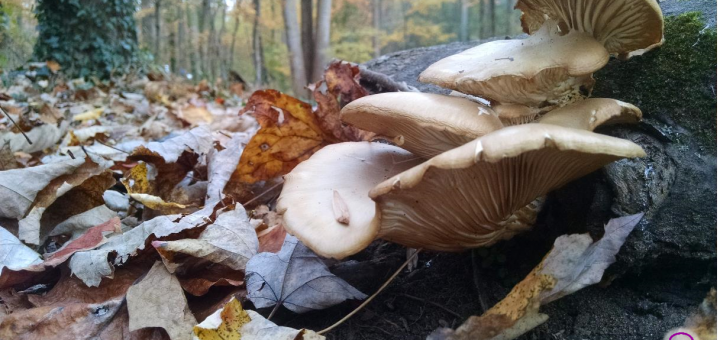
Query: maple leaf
column 573, row 263
column 296, row 278
column 289, row 133
column 232, row 322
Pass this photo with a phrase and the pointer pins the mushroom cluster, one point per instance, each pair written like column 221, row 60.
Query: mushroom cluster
column 466, row 170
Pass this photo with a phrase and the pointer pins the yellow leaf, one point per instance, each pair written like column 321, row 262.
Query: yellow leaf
column 88, row 115
column 233, row 318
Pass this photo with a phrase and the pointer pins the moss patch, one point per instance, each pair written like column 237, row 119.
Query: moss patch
column 675, row 81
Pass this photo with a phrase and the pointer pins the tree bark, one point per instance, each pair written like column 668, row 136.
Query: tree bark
column 210, row 53
column 308, row 39
column 509, row 17
column 193, row 43
column 220, row 50
column 481, row 19
column 158, row 25
column 322, row 39
column 180, row 61
column 376, row 26
column 463, row 20
column 292, row 32
column 257, row 47
column 231, row 58
column 202, row 38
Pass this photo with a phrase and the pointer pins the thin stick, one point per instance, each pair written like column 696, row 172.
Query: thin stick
column 432, row 303
column 18, row 127
column 372, row 296
column 274, row 310
column 263, row 193
column 476, row 280
column 112, row 147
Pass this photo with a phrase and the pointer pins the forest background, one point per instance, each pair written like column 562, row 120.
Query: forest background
column 257, row 39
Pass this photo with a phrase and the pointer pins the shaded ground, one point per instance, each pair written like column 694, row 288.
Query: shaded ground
column 663, row 272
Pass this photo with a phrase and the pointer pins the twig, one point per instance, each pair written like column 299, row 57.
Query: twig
column 432, row 303
column 410, row 258
column 476, row 280
column 383, row 83
column 17, row 126
column 274, row 310
column 112, row 147
column 262, row 193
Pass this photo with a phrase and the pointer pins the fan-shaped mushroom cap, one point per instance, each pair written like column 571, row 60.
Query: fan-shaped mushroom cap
column 592, row 112
column 324, row 201
column 624, row 27
column 425, row 124
column 469, row 196
column 545, row 68
column 514, row 114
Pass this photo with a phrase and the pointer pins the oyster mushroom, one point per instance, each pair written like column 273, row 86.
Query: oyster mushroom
column 547, row 68
column 422, row 123
column 625, row 27
column 479, row 193
column 590, row 113
column 324, row 201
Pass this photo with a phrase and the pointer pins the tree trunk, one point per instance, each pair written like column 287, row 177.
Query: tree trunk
column 376, row 26
column 481, row 19
column 181, row 61
column 257, row 47
column 231, row 58
column 193, row 43
column 463, row 20
column 209, row 50
column 292, row 32
column 322, row 39
column 308, row 39
column 219, row 48
column 158, row 33
column 203, row 38
column 509, row 17
column 492, row 18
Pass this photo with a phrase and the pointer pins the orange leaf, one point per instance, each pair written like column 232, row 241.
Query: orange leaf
column 289, row 134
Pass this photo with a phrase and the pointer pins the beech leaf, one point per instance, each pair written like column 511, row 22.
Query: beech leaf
column 296, row 278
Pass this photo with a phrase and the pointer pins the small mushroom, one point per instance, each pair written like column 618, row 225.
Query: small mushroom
column 324, row 201
column 590, row 113
column 479, row 193
column 427, row 124
column 547, row 68
column 625, row 27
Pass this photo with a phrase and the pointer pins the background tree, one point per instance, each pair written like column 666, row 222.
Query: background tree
column 87, row 37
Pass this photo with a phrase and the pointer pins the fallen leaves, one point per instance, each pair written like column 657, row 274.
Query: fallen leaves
column 234, row 323
column 295, row 278
column 158, row 301
column 290, row 131
column 573, row 263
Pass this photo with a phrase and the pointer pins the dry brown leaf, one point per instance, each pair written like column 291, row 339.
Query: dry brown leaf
column 574, row 262
column 340, row 85
column 71, row 321
column 234, row 323
column 271, row 239
column 195, row 115
column 80, row 190
column 158, row 301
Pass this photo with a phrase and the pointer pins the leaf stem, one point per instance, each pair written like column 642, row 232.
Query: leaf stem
column 410, row 258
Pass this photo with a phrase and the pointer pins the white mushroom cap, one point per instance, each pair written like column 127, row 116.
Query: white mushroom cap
column 469, row 196
column 624, row 27
column 324, row 201
column 544, row 69
column 425, row 124
column 590, row 113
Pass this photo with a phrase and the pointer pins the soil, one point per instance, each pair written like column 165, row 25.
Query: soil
column 663, row 272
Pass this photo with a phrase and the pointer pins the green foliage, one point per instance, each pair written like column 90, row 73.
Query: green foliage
column 17, row 34
column 674, row 81
column 88, row 37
